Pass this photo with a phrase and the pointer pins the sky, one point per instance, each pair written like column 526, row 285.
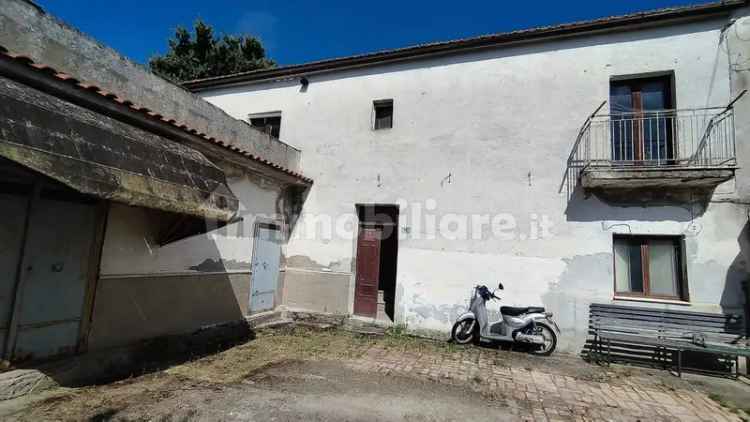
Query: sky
column 302, row 31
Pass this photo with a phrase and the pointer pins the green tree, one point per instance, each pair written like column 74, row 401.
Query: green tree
column 203, row 55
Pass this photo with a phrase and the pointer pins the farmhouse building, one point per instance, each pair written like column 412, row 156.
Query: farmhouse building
column 601, row 161
column 596, row 162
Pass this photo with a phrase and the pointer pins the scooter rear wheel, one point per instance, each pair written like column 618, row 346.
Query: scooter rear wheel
column 550, row 340
column 463, row 332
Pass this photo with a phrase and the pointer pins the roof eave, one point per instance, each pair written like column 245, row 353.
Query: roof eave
column 47, row 79
column 614, row 24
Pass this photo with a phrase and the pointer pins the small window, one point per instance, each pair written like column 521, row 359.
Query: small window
column 383, row 114
column 650, row 266
column 269, row 123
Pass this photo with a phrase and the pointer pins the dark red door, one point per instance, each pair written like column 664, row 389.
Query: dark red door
column 368, row 272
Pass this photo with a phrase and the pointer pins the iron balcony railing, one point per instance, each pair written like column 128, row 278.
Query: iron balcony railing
column 694, row 137
column 701, row 137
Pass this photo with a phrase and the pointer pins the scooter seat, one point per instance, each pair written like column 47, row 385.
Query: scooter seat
column 512, row 311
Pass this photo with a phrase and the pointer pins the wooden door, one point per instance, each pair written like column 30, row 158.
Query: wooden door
column 638, row 124
column 642, row 121
column 368, row 272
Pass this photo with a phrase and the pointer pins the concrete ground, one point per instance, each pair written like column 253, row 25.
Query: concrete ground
column 300, row 374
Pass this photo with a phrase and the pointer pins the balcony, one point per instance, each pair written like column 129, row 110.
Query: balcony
column 686, row 149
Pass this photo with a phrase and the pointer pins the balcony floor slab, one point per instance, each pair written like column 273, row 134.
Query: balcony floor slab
column 655, row 177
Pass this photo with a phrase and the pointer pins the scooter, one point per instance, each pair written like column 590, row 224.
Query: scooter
column 532, row 326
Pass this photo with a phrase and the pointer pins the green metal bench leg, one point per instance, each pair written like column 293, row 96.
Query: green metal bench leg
column 679, row 363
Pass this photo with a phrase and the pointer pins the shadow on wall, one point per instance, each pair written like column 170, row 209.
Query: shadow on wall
column 583, row 207
column 145, row 322
column 587, row 279
column 290, row 205
column 132, row 308
column 733, row 296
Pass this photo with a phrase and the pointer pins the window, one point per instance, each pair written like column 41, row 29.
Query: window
column 383, row 114
column 269, row 123
column 642, row 120
column 650, row 266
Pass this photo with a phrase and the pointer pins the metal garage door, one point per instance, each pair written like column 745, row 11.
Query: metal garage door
column 45, row 258
column 55, row 273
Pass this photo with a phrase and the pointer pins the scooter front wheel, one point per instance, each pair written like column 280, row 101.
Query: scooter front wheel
column 464, row 331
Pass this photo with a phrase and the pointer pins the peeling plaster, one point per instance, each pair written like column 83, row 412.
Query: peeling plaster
column 305, row 262
column 220, row 265
column 587, row 279
column 434, row 287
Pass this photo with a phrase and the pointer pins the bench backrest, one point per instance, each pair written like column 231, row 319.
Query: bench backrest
column 664, row 324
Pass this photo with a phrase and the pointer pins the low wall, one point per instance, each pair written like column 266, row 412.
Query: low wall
column 317, row 291
column 133, row 308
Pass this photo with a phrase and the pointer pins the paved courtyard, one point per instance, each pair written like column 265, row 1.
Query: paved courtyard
column 301, row 374
column 540, row 394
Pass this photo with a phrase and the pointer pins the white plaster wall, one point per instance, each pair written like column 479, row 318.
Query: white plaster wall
column 130, row 249
column 147, row 291
column 501, row 123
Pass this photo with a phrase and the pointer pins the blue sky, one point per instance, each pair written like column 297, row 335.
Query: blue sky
column 302, row 31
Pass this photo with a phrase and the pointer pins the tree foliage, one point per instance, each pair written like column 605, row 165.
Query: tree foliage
column 203, row 55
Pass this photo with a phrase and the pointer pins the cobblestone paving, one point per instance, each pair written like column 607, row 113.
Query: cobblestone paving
column 533, row 395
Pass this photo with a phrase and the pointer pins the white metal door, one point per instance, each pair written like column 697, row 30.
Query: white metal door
column 265, row 267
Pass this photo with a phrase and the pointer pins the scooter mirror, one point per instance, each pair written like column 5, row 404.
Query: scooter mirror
column 500, row 286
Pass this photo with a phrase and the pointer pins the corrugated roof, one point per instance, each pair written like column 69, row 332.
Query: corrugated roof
column 93, row 89
column 484, row 41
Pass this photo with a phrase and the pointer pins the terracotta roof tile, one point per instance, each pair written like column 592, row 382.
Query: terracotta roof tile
column 42, row 68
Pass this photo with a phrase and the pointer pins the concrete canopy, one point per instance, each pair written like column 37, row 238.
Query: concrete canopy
column 102, row 157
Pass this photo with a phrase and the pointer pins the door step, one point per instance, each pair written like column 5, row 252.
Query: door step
column 364, row 325
column 274, row 324
column 261, row 318
column 381, row 315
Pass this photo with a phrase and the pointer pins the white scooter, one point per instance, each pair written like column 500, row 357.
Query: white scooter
column 531, row 326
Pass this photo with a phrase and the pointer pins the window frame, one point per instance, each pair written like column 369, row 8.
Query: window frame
column 636, row 83
column 683, row 294
column 266, row 115
column 376, row 104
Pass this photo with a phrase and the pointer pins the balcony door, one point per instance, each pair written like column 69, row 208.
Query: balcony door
column 642, row 121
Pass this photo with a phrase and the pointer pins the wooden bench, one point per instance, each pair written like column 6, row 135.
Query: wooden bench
column 660, row 337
